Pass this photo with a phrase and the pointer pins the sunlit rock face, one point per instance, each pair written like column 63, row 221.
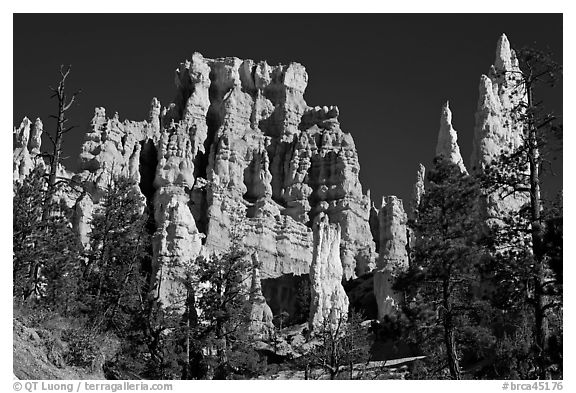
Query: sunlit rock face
column 238, row 149
column 447, row 145
column 496, row 130
column 329, row 302
column 260, row 314
column 417, row 191
column 27, row 158
column 393, row 254
column 27, row 140
column 239, row 154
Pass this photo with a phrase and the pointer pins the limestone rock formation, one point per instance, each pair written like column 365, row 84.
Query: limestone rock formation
column 260, row 313
column 27, row 157
column 447, row 146
column 393, row 256
column 83, row 212
column 237, row 148
column 392, row 219
column 496, row 130
column 112, row 148
column 27, row 140
column 239, row 156
column 417, row 191
column 500, row 93
column 329, row 302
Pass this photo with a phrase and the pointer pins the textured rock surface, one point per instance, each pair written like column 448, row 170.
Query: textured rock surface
column 112, row 148
column 238, row 147
column 328, row 298
column 392, row 219
column 496, row 131
column 260, row 313
column 240, row 151
column 447, row 146
column 27, row 142
column 393, row 256
column 26, row 146
column 417, row 191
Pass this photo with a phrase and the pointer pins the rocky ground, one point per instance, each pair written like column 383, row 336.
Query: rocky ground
column 38, row 354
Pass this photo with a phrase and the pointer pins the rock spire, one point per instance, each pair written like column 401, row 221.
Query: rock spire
column 447, row 145
column 329, row 302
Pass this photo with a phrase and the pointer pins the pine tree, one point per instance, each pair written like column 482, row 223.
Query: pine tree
column 112, row 280
column 525, row 253
column 442, row 288
column 222, row 289
column 46, row 261
column 336, row 348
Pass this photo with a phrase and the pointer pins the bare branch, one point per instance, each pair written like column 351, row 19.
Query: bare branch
column 69, row 129
column 64, row 74
column 51, row 139
column 69, row 104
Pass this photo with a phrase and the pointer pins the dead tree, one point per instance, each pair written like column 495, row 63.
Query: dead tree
column 55, row 157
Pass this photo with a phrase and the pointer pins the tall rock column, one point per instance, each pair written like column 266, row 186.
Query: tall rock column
column 447, row 146
column 496, row 130
column 260, row 313
column 27, row 140
column 417, row 191
column 329, row 301
column 177, row 241
column 393, row 256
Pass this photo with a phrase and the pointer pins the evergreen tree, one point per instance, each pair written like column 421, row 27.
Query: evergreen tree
column 220, row 327
column 443, row 300
column 336, row 348
column 46, row 251
column 112, row 279
column 527, row 242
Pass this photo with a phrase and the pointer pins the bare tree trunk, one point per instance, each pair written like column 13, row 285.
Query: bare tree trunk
column 191, row 320
column 55, row 158
column 541, row 323
column 449, row 334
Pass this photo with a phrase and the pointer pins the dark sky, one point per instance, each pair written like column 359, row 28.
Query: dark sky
column 388, row 73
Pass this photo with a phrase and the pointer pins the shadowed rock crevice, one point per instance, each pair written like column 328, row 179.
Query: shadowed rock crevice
column 254, row 178
column 289, row 294
column 277, row 150
column 185, row 89
column 202, row 159
column 375, row 227
column 147, row 168
column 198, row 205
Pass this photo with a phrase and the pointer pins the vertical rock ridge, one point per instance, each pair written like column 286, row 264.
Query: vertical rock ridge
column 496, row 130
column 27, row 140
column 22, row 162
column 393, row 256
column 260, row 313
column 417, row 191
column 329, row 301
column 238, row 142
column 447, row 145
